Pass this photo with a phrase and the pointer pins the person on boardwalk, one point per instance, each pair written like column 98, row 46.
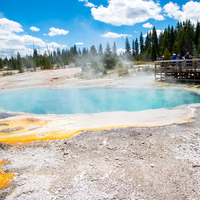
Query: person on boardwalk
column 188, row 57
column 198, row 63
column 163, row 58
column 173, row 58
column 179, row 57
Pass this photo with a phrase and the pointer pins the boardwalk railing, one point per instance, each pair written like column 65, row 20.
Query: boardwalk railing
column 178, row 70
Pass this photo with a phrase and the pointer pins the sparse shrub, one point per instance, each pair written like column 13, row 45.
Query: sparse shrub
column 97, row 67
column 58, row 65
column 120, row 65
column 66, row 61
column 123, row 72
column 7, row 73
column 148, row 69
column 131, row 65
column 104, row 71
column 85, row 67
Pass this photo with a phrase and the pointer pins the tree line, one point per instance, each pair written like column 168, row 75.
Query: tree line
column 96, row 58
column 183, row 38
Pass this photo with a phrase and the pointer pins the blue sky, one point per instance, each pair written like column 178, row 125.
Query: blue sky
column 84, row 22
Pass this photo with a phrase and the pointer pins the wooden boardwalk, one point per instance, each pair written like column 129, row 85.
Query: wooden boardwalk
column 178, row 70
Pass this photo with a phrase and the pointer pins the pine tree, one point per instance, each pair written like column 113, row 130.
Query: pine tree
column 19, row 63
column 100, row 49
column 114, row 49
column 155, row 40
column 165, row 42
column 75, row 50
column 136, row 47
column 167, row 54
column 109, row 60
column 1, row 63
column 58, row 51
column 189, row 31
column 153, row 52
column 127, row 47
column 197, row 34
column 35, row 54
column 93, row 50
column 54, row 53
column 175, row 48
column 198, row 49
column 182, row 42
column 147, row 42
column 172, row 39
column 133, row 48
column 141, row 43
column 84, row 52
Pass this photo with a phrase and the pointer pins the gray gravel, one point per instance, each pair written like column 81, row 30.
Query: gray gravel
column 123, row 163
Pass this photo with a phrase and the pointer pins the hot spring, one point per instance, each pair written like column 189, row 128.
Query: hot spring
column 93, row 100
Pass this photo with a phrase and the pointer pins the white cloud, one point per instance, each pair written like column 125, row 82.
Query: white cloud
column 10, row 26
column 147, row 25
column 191, row 10
column 63, row 46
column 135, row 31
column 91, row 5
column 53, row 45
column 87, row 4
column 57, row 31
column 33, row 28
column 45, row 34
column 120, row 51
column 127, row 12
column 158, row 32
column 79, row 43
column 11, row 40
column 115, row 35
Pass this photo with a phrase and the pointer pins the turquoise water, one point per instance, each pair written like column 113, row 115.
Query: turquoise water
column 92, row 100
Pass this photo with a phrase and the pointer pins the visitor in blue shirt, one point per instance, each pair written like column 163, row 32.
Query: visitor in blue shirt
column 179, row 57
column 173, row 58
column 188, row 57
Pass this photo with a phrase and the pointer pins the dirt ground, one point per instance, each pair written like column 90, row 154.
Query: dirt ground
column 146, row 162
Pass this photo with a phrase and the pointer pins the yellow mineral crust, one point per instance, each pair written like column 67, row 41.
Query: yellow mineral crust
column 53, row 135
column 5, row 178
column 19, row 126
column 2, row 162
column 30, row 129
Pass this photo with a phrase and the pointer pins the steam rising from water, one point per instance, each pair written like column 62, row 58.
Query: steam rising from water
column 93, row 100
